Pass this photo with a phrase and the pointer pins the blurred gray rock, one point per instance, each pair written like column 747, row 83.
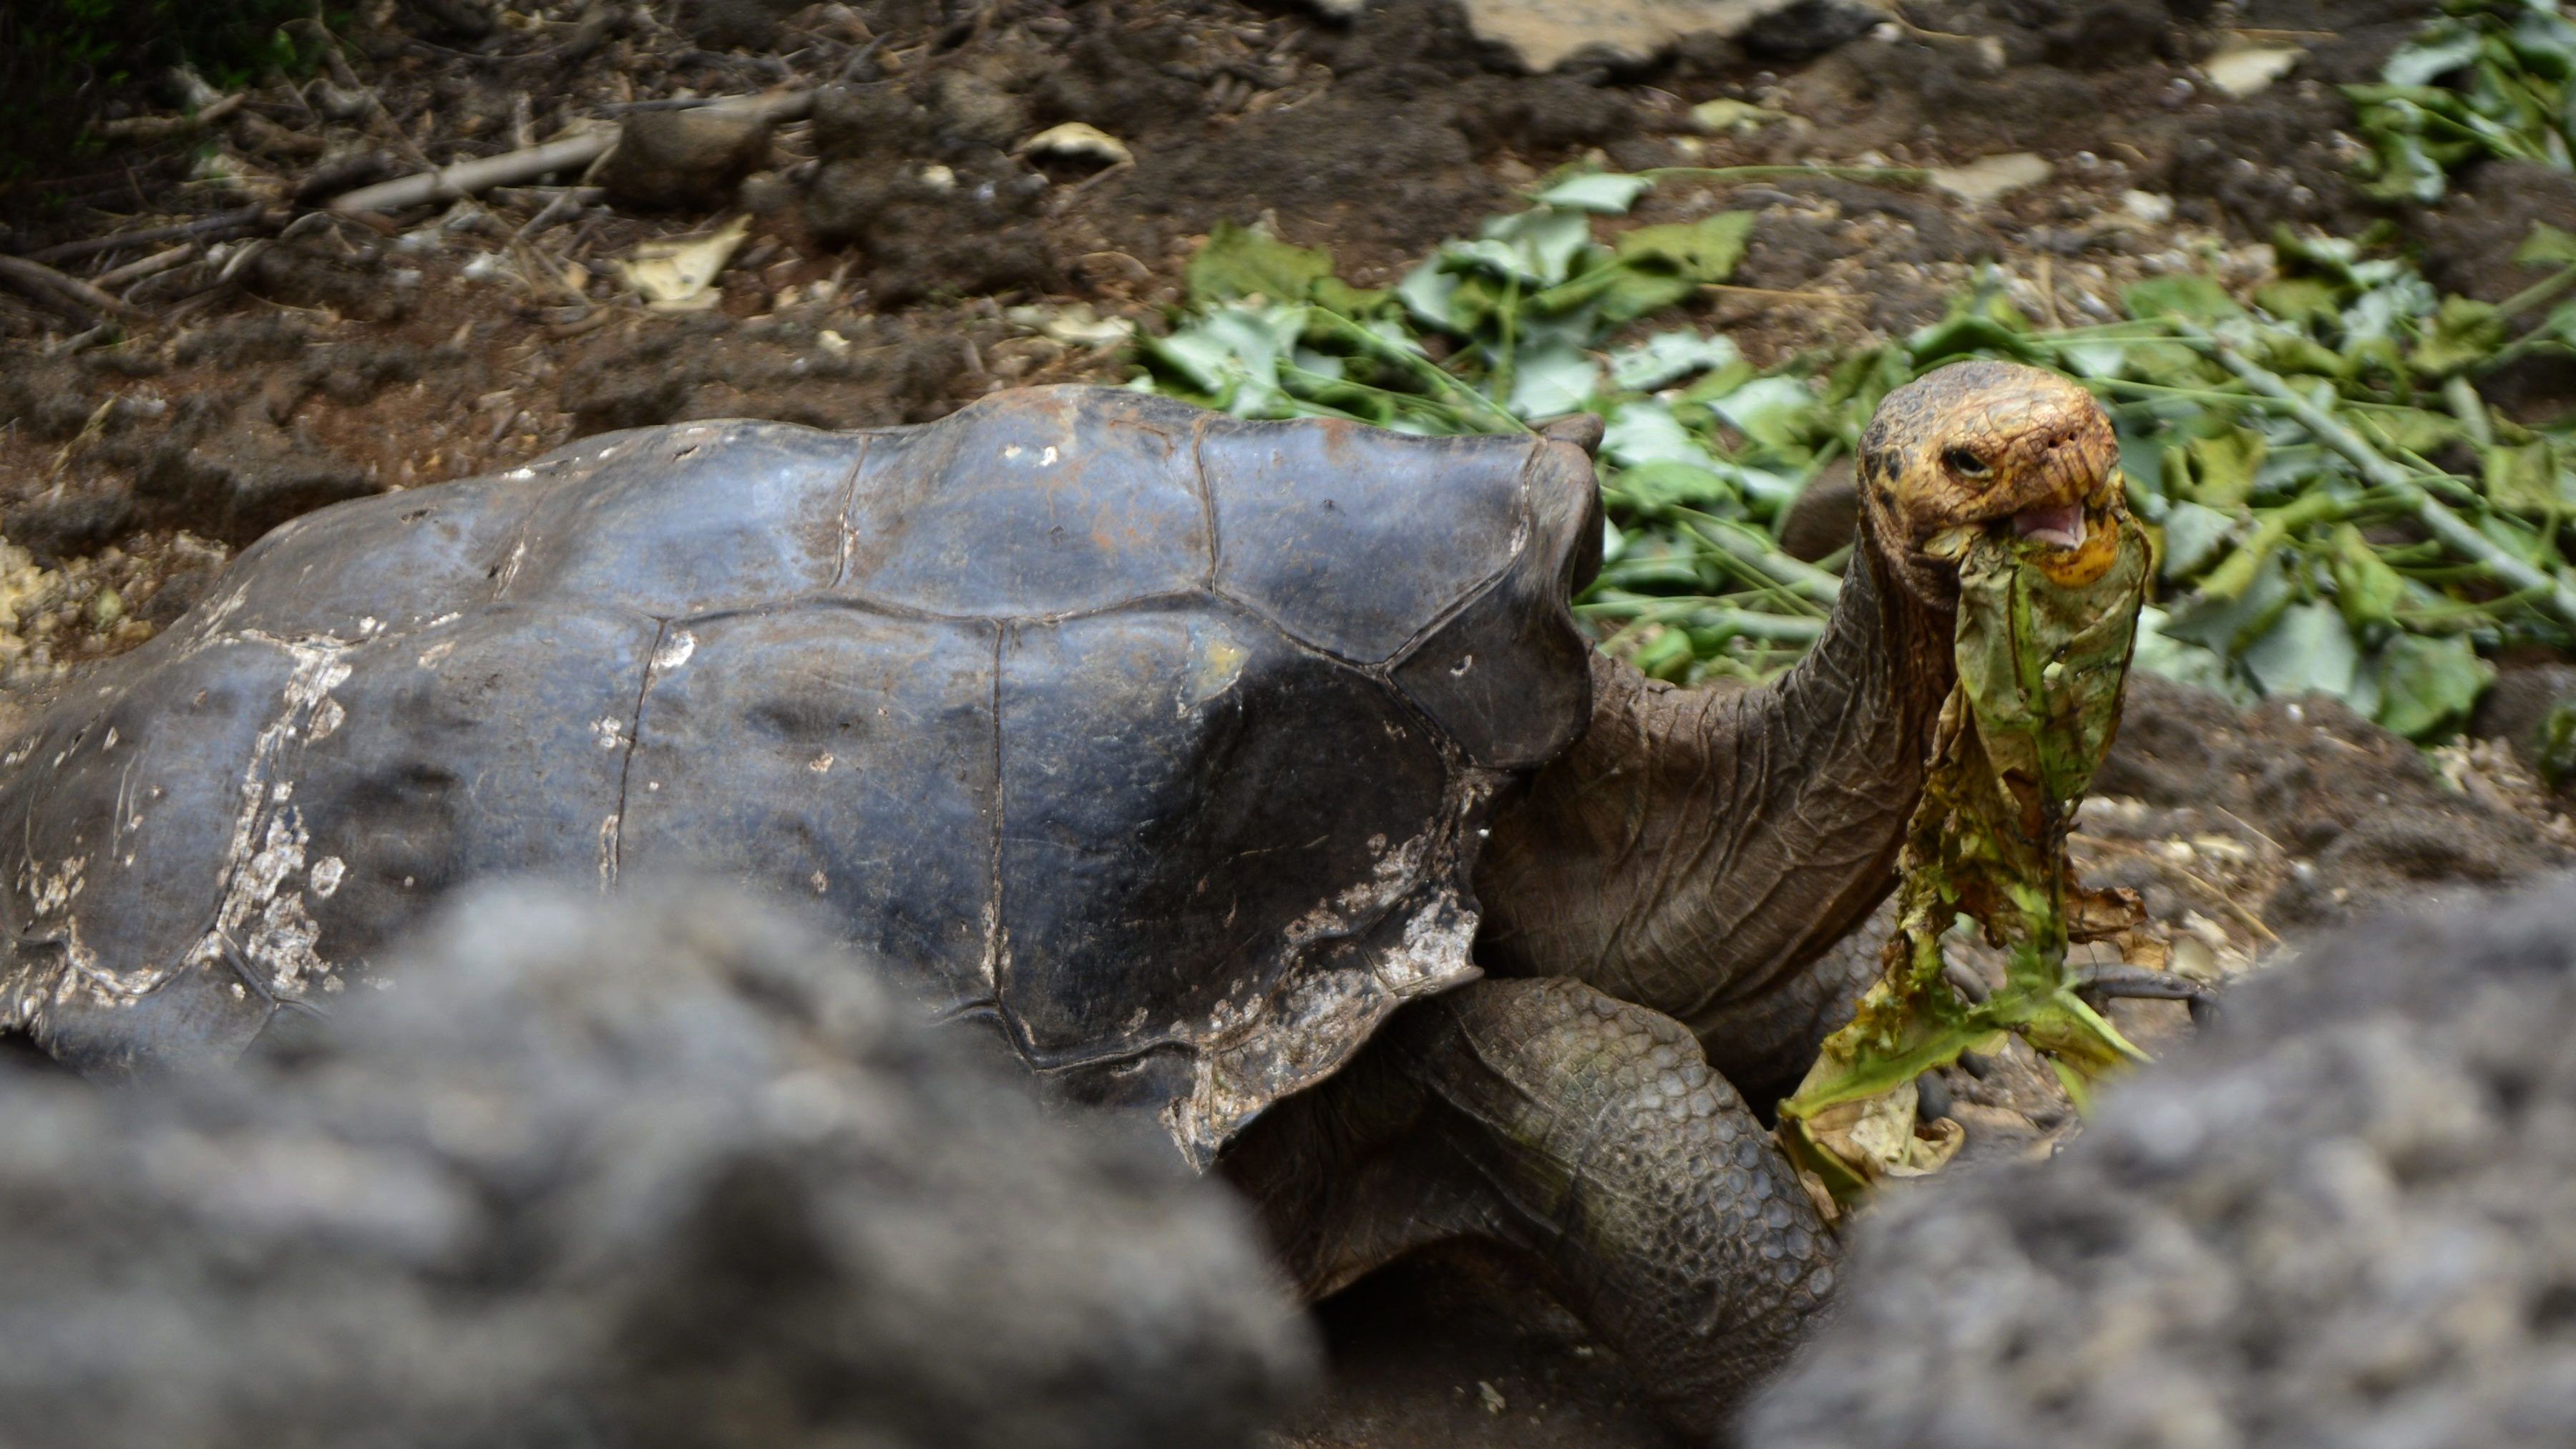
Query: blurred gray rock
column 663, row 1173
column 2347, row 1216
column 692, row 158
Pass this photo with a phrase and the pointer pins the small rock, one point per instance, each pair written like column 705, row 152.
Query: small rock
column 1545, row 34
column 1989, row 177
column 684, row 158
column 1078, row 141
column 2244, row 70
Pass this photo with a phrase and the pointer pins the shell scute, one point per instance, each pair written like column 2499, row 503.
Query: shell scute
column 1051, row 501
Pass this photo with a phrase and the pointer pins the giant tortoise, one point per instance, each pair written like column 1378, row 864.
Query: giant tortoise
column 1254, row 775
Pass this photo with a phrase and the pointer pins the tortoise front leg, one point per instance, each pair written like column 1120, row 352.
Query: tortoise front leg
column 1614, row 1153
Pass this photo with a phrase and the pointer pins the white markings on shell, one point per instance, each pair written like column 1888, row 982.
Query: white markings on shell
column 674, row 651
column 821, row 764
column 326, row 875
column 611, row 732
column 1254, row 1051
column 257, row 908
column 607, row 855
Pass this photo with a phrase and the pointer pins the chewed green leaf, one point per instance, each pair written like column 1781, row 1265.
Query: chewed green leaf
column 2427, row 685
column 1603, row 192
column 1668, row 357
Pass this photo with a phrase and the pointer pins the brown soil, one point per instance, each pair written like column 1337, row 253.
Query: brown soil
column 899, row 243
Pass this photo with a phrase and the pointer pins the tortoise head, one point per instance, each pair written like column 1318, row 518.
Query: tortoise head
column 1989, row 446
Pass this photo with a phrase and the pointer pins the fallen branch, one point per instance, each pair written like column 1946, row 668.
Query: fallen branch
column 160, row 128
column 468, row 177
column 208, row 228
column 72, row 297
column 148, row 266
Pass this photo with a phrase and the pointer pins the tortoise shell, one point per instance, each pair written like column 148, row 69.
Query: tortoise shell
column 1158, row 738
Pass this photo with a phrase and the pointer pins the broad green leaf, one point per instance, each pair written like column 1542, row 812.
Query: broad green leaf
column 1705, row 250
column 1656, row 488
column 2308, row 650
column 1429, row 293
column 2547, row 246
column 2194, row 537
column 2184, row 662
column 1603, row 192
column 1668, row 357
column 1538, row 245
column 2529, row 479
column 1238, row 262
column 2444, row 47
column 2305, row 301
column 1553, row 381
column 1773, row 412
column 1645, row 431
column 2426, row 685
column 2229, row 625
column 2222, row 467
column 1233, row 356
column 2188, row 296
column 1628, row 292
column 2461, row 333
column 2367, row 590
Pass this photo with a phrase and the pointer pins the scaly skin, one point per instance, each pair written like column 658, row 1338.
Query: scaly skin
column 1697, row 849
column 1654, row 907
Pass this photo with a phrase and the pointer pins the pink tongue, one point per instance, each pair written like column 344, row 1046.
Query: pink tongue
column 2059, row 526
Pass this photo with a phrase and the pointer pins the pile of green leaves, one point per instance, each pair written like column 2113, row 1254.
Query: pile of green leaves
column 2490, row 78
column 2297, row 543
column 62, row 60
column 1492, row 333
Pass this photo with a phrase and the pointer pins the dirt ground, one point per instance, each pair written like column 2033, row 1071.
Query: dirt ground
column 904, row 256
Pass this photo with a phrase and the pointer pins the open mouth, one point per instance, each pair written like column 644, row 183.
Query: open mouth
column 2056, row 525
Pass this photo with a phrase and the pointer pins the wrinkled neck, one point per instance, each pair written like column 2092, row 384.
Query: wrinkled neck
column 1698, row 847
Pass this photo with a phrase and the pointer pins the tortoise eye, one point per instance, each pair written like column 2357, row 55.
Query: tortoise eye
column 1965, row 463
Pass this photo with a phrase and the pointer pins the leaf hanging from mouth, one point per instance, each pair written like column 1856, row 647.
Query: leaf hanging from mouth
column 2043, row 650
